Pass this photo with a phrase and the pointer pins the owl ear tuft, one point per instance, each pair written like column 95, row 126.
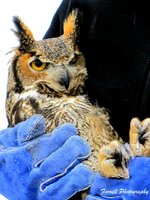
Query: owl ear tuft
column 71, row 24
column 23, row 33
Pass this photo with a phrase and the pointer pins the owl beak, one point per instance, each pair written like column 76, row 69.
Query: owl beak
column 65, row 80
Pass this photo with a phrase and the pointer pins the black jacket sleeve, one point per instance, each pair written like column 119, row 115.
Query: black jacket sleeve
column 115, row 40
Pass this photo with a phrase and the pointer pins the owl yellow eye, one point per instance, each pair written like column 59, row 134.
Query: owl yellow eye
column 74, row 59
column 38, row 65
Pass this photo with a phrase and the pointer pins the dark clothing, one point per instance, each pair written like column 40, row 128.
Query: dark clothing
column 115, row 40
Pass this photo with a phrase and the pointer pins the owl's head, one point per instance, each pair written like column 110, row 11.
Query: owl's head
column 56, row 61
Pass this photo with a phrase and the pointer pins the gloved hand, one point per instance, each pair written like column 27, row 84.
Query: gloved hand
column 42, row 167
column 137, row 187
column 23, row 132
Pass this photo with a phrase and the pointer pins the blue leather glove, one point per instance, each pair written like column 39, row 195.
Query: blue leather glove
column 42, row 167
column 137, row 187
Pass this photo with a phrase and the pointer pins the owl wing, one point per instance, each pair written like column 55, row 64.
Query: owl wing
column 28, row 103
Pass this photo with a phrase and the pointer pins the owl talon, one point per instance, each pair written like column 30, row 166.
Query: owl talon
column 113, row 161
column 140, row 137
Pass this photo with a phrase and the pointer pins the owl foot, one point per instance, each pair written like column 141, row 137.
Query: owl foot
column 113, row 159
column 140, row 137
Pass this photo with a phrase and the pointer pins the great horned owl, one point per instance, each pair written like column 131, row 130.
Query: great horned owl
column 47, row 77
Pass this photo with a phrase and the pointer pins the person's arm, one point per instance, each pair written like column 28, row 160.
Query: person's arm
column 114, row 38
column 35, row 165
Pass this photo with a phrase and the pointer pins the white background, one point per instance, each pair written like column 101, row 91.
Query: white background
column 37, row 15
